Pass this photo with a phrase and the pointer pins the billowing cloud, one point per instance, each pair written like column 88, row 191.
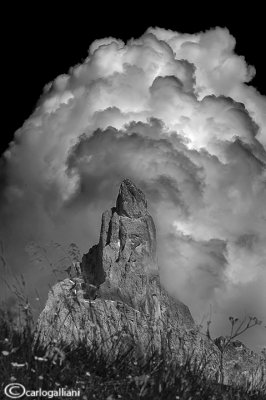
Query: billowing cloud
column 174, row 113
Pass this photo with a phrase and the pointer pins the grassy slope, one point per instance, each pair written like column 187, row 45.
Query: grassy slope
column 85, row 369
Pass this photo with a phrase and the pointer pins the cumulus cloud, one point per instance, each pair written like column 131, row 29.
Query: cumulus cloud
column 173, row 112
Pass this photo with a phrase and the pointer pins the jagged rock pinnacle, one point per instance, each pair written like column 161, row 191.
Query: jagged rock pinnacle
column 131, row 201
column 126, row 252
column 119, row 290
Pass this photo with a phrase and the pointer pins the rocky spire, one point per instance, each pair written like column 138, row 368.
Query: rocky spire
column 123, row 265
column 126, row 252
column 120, row 277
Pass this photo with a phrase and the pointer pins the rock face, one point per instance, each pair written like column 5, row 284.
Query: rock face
column 126, row 253
column 118, row 293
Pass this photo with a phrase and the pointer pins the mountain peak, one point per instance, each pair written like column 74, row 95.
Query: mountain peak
column 131, row 201
column 119, row 293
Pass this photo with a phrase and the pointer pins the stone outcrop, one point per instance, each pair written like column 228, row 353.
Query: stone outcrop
column 117, row 295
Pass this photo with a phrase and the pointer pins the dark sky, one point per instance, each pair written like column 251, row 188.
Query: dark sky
column 41, row 44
